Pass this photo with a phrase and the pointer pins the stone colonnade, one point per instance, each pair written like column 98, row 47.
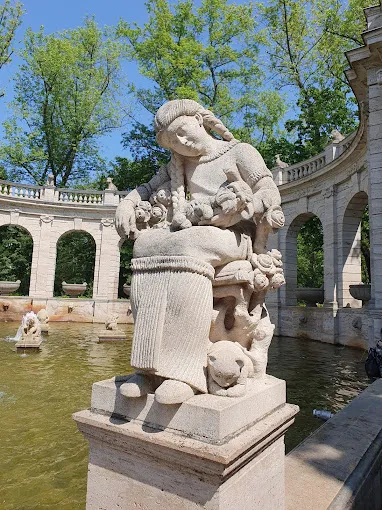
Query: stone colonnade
column 47, row 214
column 336, row 186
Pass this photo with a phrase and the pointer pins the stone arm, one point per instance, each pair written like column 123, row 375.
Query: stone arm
column 125, row 214
column 255, row 173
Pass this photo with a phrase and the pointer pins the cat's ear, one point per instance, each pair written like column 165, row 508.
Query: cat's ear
column 212, row 359
column 240, row 362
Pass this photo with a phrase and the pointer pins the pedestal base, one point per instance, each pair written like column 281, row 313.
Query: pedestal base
column 215, row 453
column 45, row 329
column 111, row 336
column 28, row 345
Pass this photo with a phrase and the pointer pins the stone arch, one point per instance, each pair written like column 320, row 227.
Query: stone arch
column 17, row 262
column 80, row 242
column 290, row 263
column 126, row 253
column 351, row 248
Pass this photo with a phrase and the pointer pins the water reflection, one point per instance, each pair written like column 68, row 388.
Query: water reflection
column 319, row 376
column 44, row 458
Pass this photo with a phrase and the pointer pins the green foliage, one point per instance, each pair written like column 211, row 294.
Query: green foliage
column 210, row 54
column 75, row 261
column 10, row 20
column 125, row 266
column 310, row 255
column 65, row 97
column 16, row 246
column 307, row 40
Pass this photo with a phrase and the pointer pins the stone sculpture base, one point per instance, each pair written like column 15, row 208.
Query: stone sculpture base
column 215, row 453
column 22, row 344
column 111, row 336
column 45, row 328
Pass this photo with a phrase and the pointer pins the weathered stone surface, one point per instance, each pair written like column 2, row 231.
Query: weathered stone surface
column 201, row 268
column 206, row 417
column 134, row 464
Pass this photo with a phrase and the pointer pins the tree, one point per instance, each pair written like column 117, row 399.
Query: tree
column 307, row 43
column 310, row 254
column 75, row 261
column 66, row 96
column 210, row 54
column 16, row 246
column 10, row 20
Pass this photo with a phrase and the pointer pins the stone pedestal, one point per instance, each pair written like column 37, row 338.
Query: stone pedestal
column 28, row 344
column 111, row 336
column 44, row 329
column 211, row 452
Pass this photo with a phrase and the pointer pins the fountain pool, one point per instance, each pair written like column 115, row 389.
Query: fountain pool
column 44, row 458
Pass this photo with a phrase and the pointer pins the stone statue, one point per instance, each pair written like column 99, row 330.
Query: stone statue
column 111, row 333
column 31, row 330
column 111, row 322
column 201, row 267
column 43, row 317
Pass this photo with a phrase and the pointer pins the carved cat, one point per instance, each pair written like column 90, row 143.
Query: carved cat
column 228, row 368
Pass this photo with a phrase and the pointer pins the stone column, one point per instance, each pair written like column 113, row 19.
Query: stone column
column 330, row 249
column 211, row 452
column 43, row 260
column 106, row 271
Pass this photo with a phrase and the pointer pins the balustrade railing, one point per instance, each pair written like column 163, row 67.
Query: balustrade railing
column 285, row 174
column 111, row 197
column 76, row 196
column 20, row 190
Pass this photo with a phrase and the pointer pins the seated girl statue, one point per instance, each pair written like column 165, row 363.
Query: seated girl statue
column 220, row 204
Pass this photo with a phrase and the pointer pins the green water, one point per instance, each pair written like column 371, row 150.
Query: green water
column 43, row 461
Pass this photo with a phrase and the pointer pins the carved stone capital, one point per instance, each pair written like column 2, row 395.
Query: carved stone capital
column 107, row 222
column 328, row 192
column 46, row 218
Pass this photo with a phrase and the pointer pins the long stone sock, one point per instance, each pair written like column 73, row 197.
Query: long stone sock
column 171, row 299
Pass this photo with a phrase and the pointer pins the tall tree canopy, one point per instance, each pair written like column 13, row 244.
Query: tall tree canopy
column 211, row 54
column 307, row 40
column 10, row 20
column 66, row 96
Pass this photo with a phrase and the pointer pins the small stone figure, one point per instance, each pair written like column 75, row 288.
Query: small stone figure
column 279, row 163
column 30, row 332
column 228, row 369
column 43, row 317
column 336, row 136
column 111, row 333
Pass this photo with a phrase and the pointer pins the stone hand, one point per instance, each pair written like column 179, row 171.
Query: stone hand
column 125, row 219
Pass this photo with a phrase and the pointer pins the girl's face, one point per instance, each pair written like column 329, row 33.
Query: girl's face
column 186, row 136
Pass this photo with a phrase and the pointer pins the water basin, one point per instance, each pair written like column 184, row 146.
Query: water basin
column 44, row 458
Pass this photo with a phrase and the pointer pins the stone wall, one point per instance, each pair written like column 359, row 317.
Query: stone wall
column 12, row 308
column 340, row 465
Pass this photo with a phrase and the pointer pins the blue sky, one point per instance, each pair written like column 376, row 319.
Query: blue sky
column 58, row 15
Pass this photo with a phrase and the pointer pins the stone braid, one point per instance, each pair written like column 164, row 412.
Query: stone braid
column 216, row 125
column 178, row 192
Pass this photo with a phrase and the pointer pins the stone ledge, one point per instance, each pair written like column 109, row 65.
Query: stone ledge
column 222, row 459
column 209, row 418
column 334, row 465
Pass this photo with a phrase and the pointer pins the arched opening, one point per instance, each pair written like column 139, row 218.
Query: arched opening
column 355, row 248
column 75, row 261
column 126, row 252
column 304, row 260
column 16, row 247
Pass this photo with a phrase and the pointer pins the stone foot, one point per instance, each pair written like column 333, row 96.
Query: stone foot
column 138, row 385
column 173, row 392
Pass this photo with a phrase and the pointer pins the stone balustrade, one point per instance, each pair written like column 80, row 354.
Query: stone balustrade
column 49, row 193
column 295, row 172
